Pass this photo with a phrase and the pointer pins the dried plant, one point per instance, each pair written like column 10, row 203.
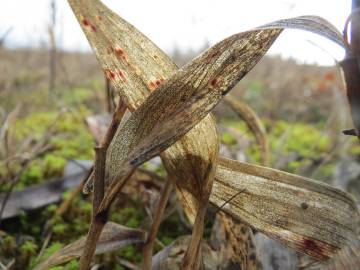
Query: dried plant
column 170, row 116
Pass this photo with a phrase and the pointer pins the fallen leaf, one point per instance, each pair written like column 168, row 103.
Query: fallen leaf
column 306, row 215
column 113, row 237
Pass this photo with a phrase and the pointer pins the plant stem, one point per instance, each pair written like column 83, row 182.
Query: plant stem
column 149, row 245
column 193, row 257
column 98, row 222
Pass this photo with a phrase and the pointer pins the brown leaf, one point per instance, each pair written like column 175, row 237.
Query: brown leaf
column 182, row 101
column 314, row 24
column 171, row 256
column 347, row 258
column 186, row 98
column 234, row 242
column 309, row 216
column 113, row 237
column 136, row 67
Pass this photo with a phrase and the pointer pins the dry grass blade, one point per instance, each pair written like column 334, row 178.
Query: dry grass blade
column 113, row 237
column 182, row 101
column 136, row 67
column 309, row 216
column 309, row 23
column 254, row 124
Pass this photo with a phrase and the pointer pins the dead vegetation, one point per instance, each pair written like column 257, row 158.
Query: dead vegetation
column 163, row 110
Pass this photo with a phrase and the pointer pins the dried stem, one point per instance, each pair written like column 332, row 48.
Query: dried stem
column 193, row 258
column 98, row 221
column 149, row 245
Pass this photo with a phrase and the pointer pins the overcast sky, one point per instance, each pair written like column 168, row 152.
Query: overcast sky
column 187, row 24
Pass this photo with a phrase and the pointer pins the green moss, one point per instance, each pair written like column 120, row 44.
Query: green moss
column 33, row 174
column 53, row 165
column 128, row 216
column 228, row 139
column 130, row 253
column 8, row 244
column 60, row 229
column 28, row 249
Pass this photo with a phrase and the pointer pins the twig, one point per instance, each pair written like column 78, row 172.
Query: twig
column 193, row 258
column 99, row 220
column 149, row 245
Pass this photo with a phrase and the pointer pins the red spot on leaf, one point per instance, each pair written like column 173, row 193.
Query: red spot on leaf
column 213, row 82
column 152, row 86
column 311, row 245
column 122, row 75
column 109, row 74
column 85, row 22
column 158, row 82
column 93, row 28
column 119, row 52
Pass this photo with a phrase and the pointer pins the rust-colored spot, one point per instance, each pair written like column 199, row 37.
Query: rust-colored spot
column 93, row 28
column 122, row 75
column 152, row 86
column 311, row 245
column 213, row 82
column 119, row 52
column 109, row 74
column 213, row 55
column 158, row 82
column 85, row 22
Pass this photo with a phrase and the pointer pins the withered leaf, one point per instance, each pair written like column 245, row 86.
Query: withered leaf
column 171, row 256
column 309, row 216
column 182, row 101
column 136, row 67
column 309, row 23
column 234, row 242
column 113, row 237
column 185, row 99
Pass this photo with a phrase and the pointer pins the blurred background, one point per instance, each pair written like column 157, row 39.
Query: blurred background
column 51, row 85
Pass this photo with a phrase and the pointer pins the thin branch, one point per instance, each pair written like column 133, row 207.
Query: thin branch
column 149, row 245
column 98, row 222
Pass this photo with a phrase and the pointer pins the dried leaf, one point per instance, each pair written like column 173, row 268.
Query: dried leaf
column 234, row 242
column 314, row 24
column 171, row 256
column 254, row 124
column 136, row 67
column 182, row 101
column 113, row 237
column 309, row 216
column 348, row 258
column 186, row 98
